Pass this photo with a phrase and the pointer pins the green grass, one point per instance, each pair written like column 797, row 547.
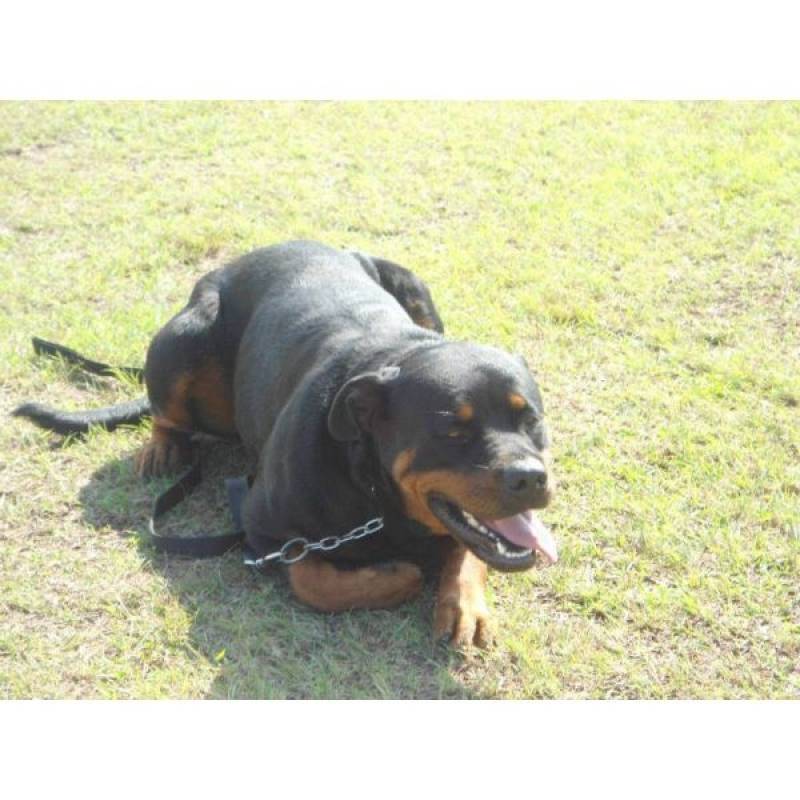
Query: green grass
column 645, row 257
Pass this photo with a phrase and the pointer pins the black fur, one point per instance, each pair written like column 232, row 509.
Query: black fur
column 333, row 380
column 66, row 422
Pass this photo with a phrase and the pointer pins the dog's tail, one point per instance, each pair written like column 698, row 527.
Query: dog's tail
column 66, row 422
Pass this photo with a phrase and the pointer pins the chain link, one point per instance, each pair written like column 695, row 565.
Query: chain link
column 303, row 547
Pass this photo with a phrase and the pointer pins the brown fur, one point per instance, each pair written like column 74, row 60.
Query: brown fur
column 465, row 412
column 517, row 401
column 211, row 392
column 461, row 612
column 206, row 392
column 323, row 586
column 167, row 450
column 175, row 413
column 475, row 493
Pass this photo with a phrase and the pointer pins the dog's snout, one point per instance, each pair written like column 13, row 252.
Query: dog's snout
column 523, row 476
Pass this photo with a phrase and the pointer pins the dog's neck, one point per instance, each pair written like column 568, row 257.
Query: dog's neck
column 369, row 476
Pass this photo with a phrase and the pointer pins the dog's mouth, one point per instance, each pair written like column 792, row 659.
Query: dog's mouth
column 510, row 544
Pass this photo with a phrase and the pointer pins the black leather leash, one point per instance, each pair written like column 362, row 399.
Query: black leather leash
column 202, row 546
column 288, row 552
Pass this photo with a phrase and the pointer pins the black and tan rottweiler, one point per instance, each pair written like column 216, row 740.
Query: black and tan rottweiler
column 332, row 369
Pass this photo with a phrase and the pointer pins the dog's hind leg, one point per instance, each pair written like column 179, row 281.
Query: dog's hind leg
column 169, row 447
column 189, row 376
column 409, row 290
column 325, row 587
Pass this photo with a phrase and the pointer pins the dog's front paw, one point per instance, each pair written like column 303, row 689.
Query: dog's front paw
column 462, row 617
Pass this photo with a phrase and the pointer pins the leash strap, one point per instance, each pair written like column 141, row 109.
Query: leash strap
column 195, row 546
column 209, row 546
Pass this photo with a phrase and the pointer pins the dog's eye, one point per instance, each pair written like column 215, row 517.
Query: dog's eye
column 446, row 427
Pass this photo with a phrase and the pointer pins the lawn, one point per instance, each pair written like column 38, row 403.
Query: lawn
column 644, row 257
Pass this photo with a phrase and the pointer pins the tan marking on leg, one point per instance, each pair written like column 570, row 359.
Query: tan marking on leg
column 461, row 613
column 323, row 586
column 212, row 396
column 167, row 451
column 175, row 413
column 200, row 400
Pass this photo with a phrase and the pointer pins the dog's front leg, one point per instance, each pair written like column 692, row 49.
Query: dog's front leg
column 461, row 613
column 323, row 586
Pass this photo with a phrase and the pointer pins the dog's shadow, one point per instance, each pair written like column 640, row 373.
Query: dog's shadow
column 254, row 640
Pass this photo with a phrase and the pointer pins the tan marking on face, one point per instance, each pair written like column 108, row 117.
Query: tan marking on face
column 465, row 412
column 517, row 401
column 415, row 504
column 474, row 493
column 402, row 462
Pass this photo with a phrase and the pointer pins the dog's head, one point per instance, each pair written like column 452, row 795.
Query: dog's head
column 459, row 428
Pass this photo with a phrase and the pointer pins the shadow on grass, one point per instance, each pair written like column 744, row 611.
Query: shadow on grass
column 263, row 643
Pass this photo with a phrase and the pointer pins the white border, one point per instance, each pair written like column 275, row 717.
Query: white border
column 348, row 50
column 445, row 50
column 397, row 749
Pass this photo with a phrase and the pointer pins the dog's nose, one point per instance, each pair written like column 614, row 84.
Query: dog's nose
column 525, row 475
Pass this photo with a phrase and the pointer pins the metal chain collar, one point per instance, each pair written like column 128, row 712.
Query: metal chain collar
column 303, row 547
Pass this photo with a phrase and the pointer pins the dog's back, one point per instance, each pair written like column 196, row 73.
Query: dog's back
column 318, row 309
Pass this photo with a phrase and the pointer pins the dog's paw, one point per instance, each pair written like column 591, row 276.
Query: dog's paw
column 160, row 456
column 462, row 617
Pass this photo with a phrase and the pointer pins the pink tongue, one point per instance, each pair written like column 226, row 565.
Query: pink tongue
column 526, row 531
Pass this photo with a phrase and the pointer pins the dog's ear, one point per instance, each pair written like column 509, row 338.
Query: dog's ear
column 358, row 402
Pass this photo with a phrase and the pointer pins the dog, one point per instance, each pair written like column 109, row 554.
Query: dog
column 332, row 368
